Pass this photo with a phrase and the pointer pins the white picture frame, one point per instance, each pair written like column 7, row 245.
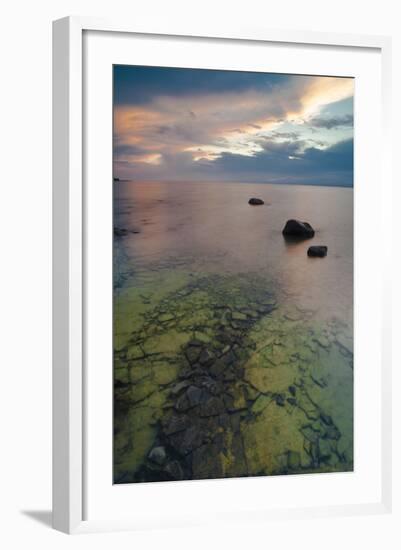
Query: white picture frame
column 69, row 259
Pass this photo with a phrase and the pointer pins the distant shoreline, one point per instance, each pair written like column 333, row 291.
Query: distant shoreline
column 340, row 185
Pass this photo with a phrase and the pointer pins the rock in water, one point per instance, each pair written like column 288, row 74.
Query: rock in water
column 255, row 201
column 317, row 251
column 118, row 232
column 295, row 228
column 122, row 232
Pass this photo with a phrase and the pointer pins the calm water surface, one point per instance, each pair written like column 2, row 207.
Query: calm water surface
column 233, row 349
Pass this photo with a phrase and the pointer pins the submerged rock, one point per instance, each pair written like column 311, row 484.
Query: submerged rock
column 194, row 396
column 212, row 407
column 255, row 201
column 179, row 387
column 186, row 442
column 158, row 455
column 317, row 251
column 295, row 228
column 174, row 470
column 280, row 401
column 206, row 357
column 192, row 354
column 175, row 424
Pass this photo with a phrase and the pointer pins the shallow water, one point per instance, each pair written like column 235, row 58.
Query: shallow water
column 233, row 349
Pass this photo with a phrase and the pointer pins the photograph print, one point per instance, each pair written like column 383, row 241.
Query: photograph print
column 232, row 274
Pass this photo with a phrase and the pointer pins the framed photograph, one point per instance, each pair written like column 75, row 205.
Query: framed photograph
column 221, row 316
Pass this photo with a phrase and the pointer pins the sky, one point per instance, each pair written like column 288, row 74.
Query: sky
column 201, row 125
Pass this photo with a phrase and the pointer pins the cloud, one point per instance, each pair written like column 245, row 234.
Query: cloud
column 285, row 162
column 331, row 122
column 283, row 135
column 195, row 124
column 166, row 124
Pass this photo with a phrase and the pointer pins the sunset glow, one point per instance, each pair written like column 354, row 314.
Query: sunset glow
column 169, row 124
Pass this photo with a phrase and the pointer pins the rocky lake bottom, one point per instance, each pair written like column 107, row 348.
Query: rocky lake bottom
column 222, row 375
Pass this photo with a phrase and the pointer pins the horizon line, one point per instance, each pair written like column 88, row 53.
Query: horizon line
column 127, row 180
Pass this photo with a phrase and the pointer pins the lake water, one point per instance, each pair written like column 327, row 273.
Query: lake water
column 233, row 348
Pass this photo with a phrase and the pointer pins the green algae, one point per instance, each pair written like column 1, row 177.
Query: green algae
column 273, row 387
column 261, row 403
column 133, row 302
column 270, row 436
column 165, row 374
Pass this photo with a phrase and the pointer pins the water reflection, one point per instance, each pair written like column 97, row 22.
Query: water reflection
column 212, row 227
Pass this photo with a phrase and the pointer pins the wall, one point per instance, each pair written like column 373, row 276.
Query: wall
column 25, row 293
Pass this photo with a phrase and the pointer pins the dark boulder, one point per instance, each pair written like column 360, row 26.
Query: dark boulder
column 255, row 201
column 317, row 251
column 295, row 228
